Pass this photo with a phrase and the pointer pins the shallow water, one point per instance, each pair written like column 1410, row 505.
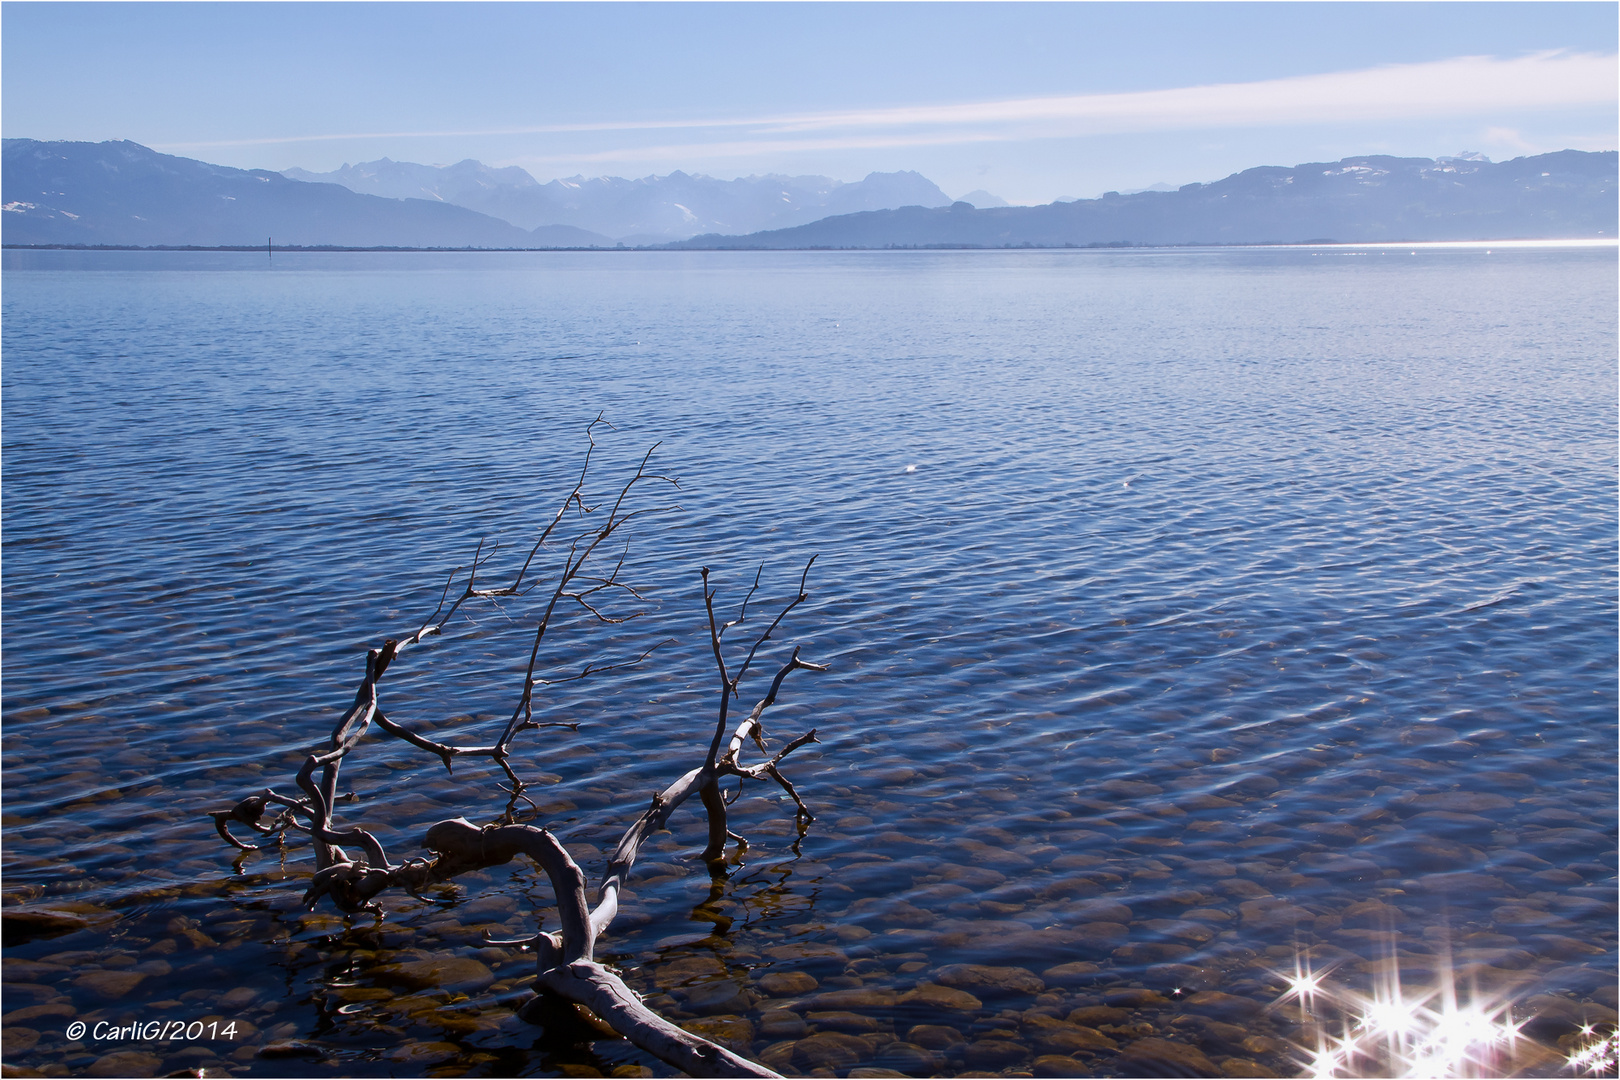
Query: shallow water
column 1189, row 613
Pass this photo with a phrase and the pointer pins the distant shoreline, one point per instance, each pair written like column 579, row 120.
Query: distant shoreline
column 268, row 249
column 1111, row 246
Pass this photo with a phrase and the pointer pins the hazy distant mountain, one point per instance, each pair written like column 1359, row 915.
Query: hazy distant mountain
column 654, row 209
column 467, row 183
column 124, row 193
column 1566, row 194
column 983, row 200
column 404, row 180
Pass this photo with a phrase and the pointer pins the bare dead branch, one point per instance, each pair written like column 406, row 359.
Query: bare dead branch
column 579, row 598
column 729, row 686
column 787, row 785
column 605, row 994
column 446, row 753
column 600, row 669
column 565, row 957
column 720, row 663
column 743, row 613
column 714, row 807
column 766, row 636
column 248, row 812
column 752, row 727
column 769, row 769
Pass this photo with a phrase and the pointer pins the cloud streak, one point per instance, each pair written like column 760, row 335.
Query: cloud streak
column 1482, row 86
column 1459, row 86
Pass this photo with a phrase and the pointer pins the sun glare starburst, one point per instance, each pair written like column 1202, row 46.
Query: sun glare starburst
column 1403, row 1029
column 1599, row 1054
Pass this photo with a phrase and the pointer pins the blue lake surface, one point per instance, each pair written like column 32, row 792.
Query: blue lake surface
column 1188, row 612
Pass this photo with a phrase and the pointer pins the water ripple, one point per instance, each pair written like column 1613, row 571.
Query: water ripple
column 1198, row 597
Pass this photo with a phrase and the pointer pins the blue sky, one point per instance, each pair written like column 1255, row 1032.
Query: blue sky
column 1028, row 101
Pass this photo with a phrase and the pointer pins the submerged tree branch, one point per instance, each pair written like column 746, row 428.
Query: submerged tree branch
column 565, row 958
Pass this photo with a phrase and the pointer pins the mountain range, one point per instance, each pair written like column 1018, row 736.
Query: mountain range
column 652, row 210
column 121, row 193
column 1568, row 194
column 124, row 194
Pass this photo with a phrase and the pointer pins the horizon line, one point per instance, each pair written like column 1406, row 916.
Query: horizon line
column 669, row 248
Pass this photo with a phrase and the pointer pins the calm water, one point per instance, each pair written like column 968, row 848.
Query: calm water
column 1189, row 613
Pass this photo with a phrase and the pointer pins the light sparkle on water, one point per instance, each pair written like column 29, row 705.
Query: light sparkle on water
column 1599, row 1054
column 1402, row 1029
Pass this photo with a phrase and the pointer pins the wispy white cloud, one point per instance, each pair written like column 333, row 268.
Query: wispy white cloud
column 1460, row 86
column 739, row 148
column 1481, row 86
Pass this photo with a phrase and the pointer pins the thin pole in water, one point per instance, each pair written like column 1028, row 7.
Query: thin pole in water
column 267, row 252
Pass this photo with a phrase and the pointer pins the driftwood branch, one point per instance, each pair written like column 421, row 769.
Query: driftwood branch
column 604, row 993
column 565, row 958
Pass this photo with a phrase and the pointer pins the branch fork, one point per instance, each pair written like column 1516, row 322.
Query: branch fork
column 566, row 965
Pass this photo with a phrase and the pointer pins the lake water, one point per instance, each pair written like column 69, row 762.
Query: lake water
column 1195, row 618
